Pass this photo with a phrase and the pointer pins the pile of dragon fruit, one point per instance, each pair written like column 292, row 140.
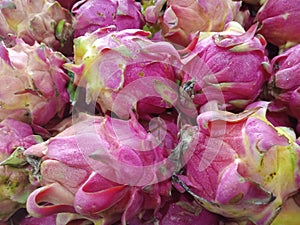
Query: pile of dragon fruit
column 163, row 112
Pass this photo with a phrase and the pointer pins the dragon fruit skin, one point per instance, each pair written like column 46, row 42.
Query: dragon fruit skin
column 284, row 85
column 41, row 20
column 14, row 133
column 289, row 213
column 243, row 167
column 183, row 18
column 87, row 192
column 106, row 62
column 184, row 211
column 34, row 86
column 123, row 14
column 279, row 22
column 14, row 182
column 68, row 4
column 180, row 210
column 51, row 220
column 55, row 219
column 214, row 63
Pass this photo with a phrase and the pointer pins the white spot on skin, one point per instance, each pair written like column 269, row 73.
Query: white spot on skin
column 285, row 16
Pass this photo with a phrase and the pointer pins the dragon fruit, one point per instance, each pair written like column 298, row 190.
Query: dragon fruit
column 242, row 166
column 284, row 86
column 15, row 186
column 179, row 20
column 124, row 70
column 123, row 14
column 213, row 64
column 40, row 20
column 34, row 86
column 279, row 22
column 111, row 179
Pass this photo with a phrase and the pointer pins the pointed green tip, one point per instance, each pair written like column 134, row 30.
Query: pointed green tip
column 59, row 27
column 59, row 31
column 16, row 159
column 38, row 138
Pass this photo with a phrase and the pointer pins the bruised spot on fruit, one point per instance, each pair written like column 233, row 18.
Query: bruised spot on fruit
column 100, row 14
column 27, row 114
column 236, row 198
column 276, row 67
column 272, row 175
column 194, row 209
column 141, row 74
column 285, row 16
column 2, row 105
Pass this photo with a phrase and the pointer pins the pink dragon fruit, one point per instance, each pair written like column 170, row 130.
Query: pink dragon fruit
column 124, row 70
column 123, row 14
column 40, row 20
column 110, row 179
column 15, row 136
column 242, row 166
column 34, row 84
column 284, row 86
column 226, row 66
column 179, row 20
column 279, row 22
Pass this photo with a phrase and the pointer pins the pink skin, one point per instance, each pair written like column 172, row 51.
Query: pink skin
column 180, row 20
column 14, row 182
column 215, row 62
column 223, row 169
column 87, row 192
column 68, row 4
column 36, row 22
column 36, row 93
column 14, row 133
column 123, row 14
column 126, row 62
column 183, row 211
column 50, row 220
column 285, row 68
column 279, row 22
